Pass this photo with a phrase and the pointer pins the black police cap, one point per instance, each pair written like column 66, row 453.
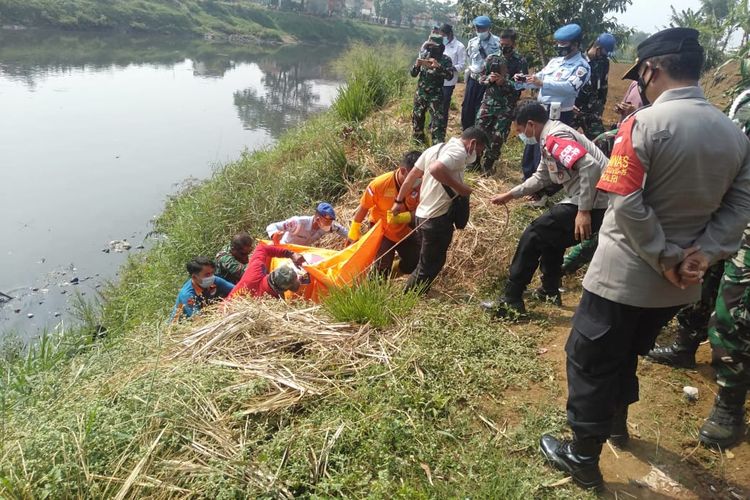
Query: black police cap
column 668, row 41
column 446, row 28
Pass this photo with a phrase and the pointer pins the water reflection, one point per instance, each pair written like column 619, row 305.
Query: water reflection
column 92, row 123
column 287, row 97
column 292, row 83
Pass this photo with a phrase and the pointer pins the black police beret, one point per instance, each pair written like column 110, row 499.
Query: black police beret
column 668, row 41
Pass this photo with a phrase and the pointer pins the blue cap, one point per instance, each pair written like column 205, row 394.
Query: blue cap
column 606, row 41
column 326, row 210
column 568, row 33
column 482, row 22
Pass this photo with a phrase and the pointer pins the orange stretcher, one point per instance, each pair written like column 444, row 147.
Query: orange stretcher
column 334, row 268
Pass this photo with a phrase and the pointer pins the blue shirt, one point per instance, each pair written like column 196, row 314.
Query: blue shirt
column 475, row 63
column 190, row 301
column 562, row 80
column 299, row 230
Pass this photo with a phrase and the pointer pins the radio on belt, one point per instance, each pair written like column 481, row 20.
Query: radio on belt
column 554, row 111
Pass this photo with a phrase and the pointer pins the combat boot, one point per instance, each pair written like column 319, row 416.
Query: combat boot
column 510, row 305
column 542, row 295
column 488, row 167
column 619, row 436
column 681, row 354
column 578, row 458
column 725, row 426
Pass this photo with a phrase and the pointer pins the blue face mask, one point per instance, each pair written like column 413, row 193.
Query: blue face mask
column 207, row 282
column 445, row 40
column 483, row 35
column 529, row 141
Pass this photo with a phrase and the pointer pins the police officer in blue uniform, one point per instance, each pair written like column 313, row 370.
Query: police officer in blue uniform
column 559, row 83
column 477, row 50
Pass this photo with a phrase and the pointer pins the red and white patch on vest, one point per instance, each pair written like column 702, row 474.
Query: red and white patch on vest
column 624, row 174
column 566, row 151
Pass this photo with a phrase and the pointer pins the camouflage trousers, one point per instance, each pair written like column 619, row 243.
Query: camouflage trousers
column 590, row 123
column 580, row 255
column 606, row 141
column 496, row 122
column 729, row 327
column 694, row 318
column 433, row 104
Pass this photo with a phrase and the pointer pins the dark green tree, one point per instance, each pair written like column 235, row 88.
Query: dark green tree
column 390, row 9
column 718, row 21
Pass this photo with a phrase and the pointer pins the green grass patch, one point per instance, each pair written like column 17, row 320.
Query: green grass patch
column 375, row 301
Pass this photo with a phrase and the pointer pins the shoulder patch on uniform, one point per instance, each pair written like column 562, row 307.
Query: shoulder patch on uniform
column 566, row 151
column 581, row 71
column 624, row 174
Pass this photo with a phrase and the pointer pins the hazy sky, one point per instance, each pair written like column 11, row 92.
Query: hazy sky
column 652, row 15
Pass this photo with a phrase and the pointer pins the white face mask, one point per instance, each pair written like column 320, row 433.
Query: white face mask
column 529, row 141
column 207, row 282
column 471, row 154
column 483, row 35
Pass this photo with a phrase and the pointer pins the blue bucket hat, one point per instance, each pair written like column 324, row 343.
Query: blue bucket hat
column 326, row 210
column 568, row 33
column 482, row 22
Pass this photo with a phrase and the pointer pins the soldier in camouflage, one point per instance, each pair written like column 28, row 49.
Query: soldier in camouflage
column 593, row 96
column 231, row 261
column 729, row 331
column 432, row 71
column 693, row 324
column 495, row 114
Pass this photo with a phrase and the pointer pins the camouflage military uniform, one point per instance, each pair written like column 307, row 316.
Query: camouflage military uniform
column 228, row 267
column 495, row 115
column 729, row 327
column 429, row 96
column 592, row 98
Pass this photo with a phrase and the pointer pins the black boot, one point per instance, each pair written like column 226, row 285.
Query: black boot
column 510, row 305
column 725, row 426
column 578, row 458
column 553, row 297
column 619, row 435
column 681, row 354
column 488, row 167
column 504, row 308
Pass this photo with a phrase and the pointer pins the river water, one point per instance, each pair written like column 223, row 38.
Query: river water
column 96, row 132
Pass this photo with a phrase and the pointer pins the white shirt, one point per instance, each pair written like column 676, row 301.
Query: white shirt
column 433, row 200
column 475, row 59
column 457, row 52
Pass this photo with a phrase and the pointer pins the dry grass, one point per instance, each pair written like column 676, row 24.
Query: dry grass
column 299, row 352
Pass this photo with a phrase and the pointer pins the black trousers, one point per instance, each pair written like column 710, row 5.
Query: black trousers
column 408, row 253
column 473, row 95
column 602, row 357
column 435, row 238
column 543, row 245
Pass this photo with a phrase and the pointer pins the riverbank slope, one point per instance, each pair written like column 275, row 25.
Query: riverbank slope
column 241, row 20
column 283, row 400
